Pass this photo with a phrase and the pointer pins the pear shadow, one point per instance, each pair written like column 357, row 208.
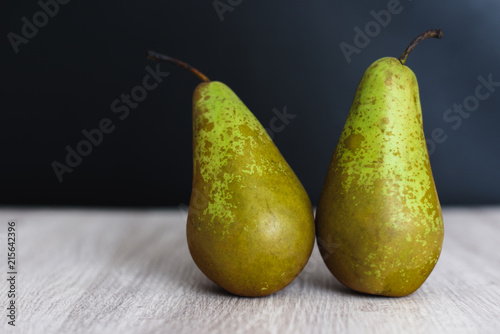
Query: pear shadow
column 334, row 285
column 328, row 283
column 210, row 288
column 214, row 289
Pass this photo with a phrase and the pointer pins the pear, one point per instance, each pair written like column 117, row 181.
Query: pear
column 379, row 222
column 250, row 226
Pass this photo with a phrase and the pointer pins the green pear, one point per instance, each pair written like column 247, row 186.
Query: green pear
column 250, row 226
column 379, row 222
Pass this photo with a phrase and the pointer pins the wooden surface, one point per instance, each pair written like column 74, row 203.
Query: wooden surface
column 97, row 271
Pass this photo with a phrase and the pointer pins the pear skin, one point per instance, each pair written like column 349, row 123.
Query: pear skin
column 250, row 225
column 379, row 222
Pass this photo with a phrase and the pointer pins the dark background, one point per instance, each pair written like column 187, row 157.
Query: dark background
column 271, row 53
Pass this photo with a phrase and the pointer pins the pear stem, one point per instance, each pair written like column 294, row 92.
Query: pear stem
column 160, row 57
column 434, row 33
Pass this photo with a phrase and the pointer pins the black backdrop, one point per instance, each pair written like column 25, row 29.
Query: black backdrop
column 62, row 73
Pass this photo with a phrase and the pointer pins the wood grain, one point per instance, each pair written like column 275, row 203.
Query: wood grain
column 106, row 271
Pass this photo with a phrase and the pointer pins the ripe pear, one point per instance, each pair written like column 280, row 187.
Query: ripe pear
column 250, row 225
column 379, row 222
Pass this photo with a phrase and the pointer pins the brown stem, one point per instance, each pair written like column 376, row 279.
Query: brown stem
column 434, row 33
column 160, row 57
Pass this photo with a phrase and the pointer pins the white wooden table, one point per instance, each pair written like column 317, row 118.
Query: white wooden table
column 105, row 271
